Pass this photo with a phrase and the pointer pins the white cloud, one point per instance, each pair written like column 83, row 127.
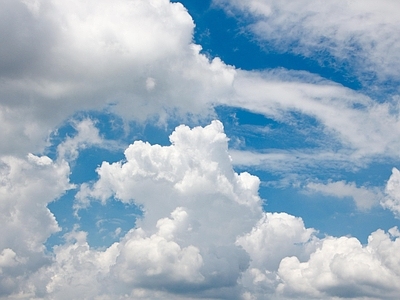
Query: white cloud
column 158, row 260
column 363, row 197
column 193, row 180
column 87, row 135
column 343, row 268
column 77, row 271
column 203, row 235
column 27, row 186
column 215, row 240
column 362, row 34
column 275, row 236
column 392, row 197
column 63, row 57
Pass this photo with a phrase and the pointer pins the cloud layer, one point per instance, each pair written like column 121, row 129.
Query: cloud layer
column 203, row 232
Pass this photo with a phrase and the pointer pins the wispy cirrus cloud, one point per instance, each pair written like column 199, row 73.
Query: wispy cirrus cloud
column 359, row 35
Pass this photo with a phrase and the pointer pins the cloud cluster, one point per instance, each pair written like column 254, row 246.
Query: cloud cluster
column 187, row 190
column 343, row 268
column 203, row 234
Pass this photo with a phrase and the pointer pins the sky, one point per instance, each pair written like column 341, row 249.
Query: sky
column 215, row 149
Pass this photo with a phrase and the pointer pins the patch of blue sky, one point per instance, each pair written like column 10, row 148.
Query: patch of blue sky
column 107, row 223
column 249, row 130
column 62, row 209
column 104, row 223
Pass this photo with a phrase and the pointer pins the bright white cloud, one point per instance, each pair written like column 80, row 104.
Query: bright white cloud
column 392, row 197
column 194, row 177
column 87, row 135
column 26, row 187
column 362, row 34
column 343, row 268
column 363, row 197
column 275, row 236
column 203, row 234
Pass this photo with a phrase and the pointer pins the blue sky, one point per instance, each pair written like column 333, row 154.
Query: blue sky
column 199, row 149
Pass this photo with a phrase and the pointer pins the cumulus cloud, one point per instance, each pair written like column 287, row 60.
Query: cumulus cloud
column 360, row 126
column 202, row 234
column 343, row 268
column 361, row 34
column 275, row 244
column 392, row 197
column 27, row 186
column 193, row 178
column 274, row 237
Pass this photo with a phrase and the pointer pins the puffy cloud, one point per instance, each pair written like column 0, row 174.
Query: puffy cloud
column 193, row 178
column 77, row 271
column 26, row 187
column 363, row 34
column 134, row 57
column 275, row 236
column 202, row 234
column 363, row 197
column 197, row 162
column 343, row 268
column 158, row 260
column 392, row 198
